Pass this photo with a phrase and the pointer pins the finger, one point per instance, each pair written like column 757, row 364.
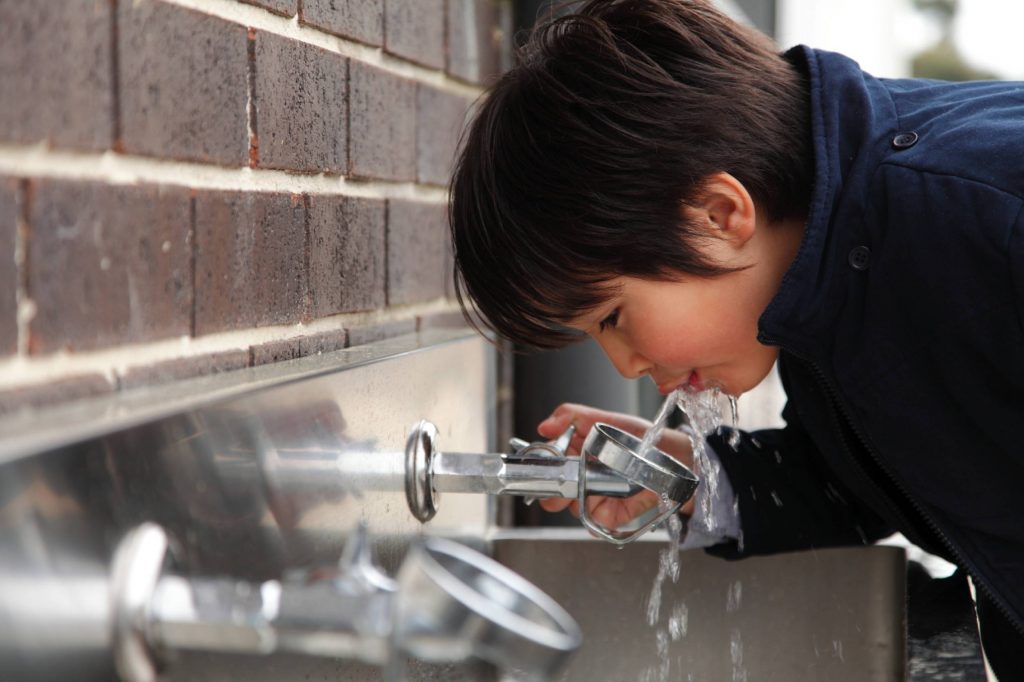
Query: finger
column 557, row 422
column 554, row 504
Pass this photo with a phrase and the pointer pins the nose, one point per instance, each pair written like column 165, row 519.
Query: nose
column 627, row 361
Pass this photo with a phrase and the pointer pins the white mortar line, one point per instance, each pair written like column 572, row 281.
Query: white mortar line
column 22, row 370
column 26, row 308
column 38, row 161
column 264, row 20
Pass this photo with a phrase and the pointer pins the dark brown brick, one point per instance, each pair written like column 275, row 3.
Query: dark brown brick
column 301, row 108
column 107, row 264
column 439, row 119
column 361, row 20
column 60, row 391
column 286, row 7
column 414, row 29
column 479, row 39
column 184, row 368
column 357, row 336
column 416, row 236
column 250, row 260
column 289, row 349
column 383, row 124
column 346, row 266
column 9, row 210
column 55, row 73
column 184, row 84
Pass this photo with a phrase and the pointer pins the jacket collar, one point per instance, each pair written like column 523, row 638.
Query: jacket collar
column 851, row 118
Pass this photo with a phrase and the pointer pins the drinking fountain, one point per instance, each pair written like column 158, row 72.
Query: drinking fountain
column 609, row 464
column 448, row 603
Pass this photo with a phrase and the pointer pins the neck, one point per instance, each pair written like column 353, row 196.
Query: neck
column 785, row 238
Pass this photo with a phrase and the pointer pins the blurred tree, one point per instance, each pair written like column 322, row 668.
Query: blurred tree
column 943, row 60
column 945, row 10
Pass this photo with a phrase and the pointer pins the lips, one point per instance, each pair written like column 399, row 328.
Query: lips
column 692, row 382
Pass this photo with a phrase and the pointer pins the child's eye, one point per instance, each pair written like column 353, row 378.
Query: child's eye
column 611, row 321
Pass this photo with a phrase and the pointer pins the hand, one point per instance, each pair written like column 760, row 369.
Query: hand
column 611, row 512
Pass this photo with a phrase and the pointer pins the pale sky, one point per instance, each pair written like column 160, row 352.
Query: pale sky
column 990, row 33
column 883, row 34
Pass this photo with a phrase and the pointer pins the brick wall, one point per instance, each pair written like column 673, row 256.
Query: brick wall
column 194, row 186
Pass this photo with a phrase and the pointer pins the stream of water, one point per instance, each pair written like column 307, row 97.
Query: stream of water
column 703, row 411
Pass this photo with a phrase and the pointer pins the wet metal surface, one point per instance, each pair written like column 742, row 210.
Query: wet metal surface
column 835, row 614
column 252, row 474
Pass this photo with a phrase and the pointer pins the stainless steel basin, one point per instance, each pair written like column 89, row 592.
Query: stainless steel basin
column 830, row 614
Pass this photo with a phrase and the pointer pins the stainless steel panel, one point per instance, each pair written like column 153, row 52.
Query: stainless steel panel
column 831, row 614
column 251, row 473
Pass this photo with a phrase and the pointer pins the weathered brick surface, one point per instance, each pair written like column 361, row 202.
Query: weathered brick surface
column 361, row 20
column 357, row 336
column 347, row 247
column 383, row 124
column 9, row 209
column 301, row 108
column 250, row 262
column 478, row 41
column 416, row 258
column 107, row 264
column 55, row 73
column 439, row 119
column 59, row 391
column 414, row 29
column 286, row 7
column 184, row 368
column 184, row 84
column 289, row 349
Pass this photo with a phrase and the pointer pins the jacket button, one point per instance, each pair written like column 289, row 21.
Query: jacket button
column 904, row 140
column 859, row 258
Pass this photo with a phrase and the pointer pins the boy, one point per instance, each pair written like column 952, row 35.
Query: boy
column 658, row 177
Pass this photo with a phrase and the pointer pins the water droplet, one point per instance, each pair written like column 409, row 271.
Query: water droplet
column 734, row 437
column 776, row 499
column 734, row 597
column 678, row 622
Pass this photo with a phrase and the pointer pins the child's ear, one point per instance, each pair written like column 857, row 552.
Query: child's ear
column 728, row 208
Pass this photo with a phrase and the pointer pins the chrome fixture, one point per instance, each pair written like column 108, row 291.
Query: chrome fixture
column 447, row 604
column 609, row 465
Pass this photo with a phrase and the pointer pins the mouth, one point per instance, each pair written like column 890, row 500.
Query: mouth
column 692, row 384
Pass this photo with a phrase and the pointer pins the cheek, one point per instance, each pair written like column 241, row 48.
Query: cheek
column 673, row 346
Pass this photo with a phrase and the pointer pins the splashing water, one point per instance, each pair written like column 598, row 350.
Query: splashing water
column 704, row 411
column 678, row 622
column 739, row 672
column 734, row 597
column 653, row 434
column 668, row 567
column 734, row 409
column 665, row 666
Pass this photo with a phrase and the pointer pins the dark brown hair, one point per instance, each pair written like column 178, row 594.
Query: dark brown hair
column 579, row 161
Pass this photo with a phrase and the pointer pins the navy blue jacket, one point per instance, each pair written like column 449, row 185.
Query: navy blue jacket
column 901, row 328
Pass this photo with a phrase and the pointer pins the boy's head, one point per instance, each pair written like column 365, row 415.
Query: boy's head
column 584, row 161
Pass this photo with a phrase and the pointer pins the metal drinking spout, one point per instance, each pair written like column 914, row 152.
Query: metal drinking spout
column 448, row 604
column 610, row 465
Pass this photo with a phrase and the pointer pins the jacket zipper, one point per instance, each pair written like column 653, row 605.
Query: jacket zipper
column 954, row 550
